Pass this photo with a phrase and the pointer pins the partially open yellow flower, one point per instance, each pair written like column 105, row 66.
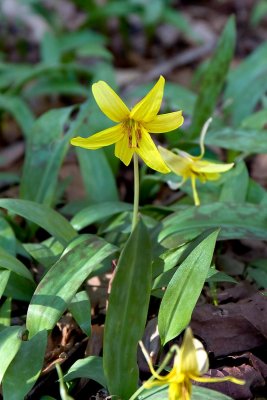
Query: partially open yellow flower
column 187, row 166
column 190, row 363
column 131, row 134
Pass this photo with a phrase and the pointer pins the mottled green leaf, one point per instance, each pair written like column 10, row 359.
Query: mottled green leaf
column 184, row 290
column 11, row 263
column 5, row 312
column 42, row 152
column 246, row 85
column 97, row 212
column 90, row 368
column 80, row 308
column 59, row 285
column 214, row 78
column 42, row 215
column 4, row 277
column 25, row 367
column 198, row 393
column 235, row 188
column 19, row 110
column 99, row 181
column 19, row 288
column 127, row 314
column 236, row 221
column 245, row 140
column 10, row 343
column 7, row 237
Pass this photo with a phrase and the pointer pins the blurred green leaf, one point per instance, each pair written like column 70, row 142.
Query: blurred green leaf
column 184, row 290
column 234, row 189
column 99, row 181
column 7, row 237
column 44, row 216
column 19, row 288
column 5, row 312
column 60, row 84
column 4, row 277
column 43, row 155
column 10, row 343
column 258, row 120
column 89, row 368
column 236, row 221
column 256, row 193
column 177, row 19
column 198, row 393
column 19, row 110
column 59, row 285
column 214, row 78
column 244, row 140
column 25, row 367
column 80, row 308
column 50, row 49
column 259, row 11
column 127, row 314
column 11, row 263
column 98, row 212
column 46, row 252
column 246, row 85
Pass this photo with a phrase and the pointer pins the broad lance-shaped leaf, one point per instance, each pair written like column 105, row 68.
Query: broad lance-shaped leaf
column 10, row 343
column 246, row 85
column 5, row 312
column 80, row 308
column 46, row 135
column 90, row 368
column 25, row 368
column 20, row 111
column 11, row 263
column 7, row 237
column 198, row 393
column 214, row 78
column 236, row 221
column 98, row 212
column 59, row 285
column 42, row 215
column 4, row 277
column 127, row 313
column 184, row 290
column 249, row 141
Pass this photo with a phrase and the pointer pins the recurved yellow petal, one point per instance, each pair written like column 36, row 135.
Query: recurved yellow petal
column 150, row 154
column 164, row 122
column 209, row 167
column 179, row 165
column 123, row 151
column 100, row 139
column 109, row 102
column 149, row 106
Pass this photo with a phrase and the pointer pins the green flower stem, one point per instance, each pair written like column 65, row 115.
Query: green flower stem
column 136, row 191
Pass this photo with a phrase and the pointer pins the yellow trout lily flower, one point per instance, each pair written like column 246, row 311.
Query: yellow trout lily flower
column 131, row 134
column 190, row 167
column 190, row 363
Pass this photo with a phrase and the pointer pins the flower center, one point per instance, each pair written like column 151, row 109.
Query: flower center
column 134, row 132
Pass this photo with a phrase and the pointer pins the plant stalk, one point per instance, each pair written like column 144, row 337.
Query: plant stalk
column 136, row 191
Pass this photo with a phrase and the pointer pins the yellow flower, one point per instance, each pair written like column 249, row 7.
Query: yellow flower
column 131, row 134
column 190, row 363
column 187, row 166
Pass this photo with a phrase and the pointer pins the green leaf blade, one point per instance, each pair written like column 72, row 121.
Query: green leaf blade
column 25, row 368
column 127, row 313
column 59, row 285
column 184, row 289
column 214, row 78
